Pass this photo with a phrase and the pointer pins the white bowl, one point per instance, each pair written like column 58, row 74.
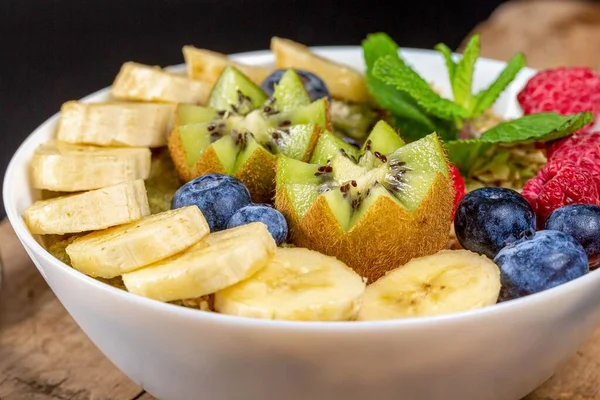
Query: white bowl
column 500, row 352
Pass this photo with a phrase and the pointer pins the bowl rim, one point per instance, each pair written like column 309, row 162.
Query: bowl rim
column 317, row 326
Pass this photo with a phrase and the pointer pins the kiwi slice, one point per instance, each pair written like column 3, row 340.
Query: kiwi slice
column 235, row 92
column 242, row 131
column 375, row 209
column 291, row 93
column 383, row 139
column 191, row 114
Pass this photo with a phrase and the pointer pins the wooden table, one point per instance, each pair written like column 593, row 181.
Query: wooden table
column 44, row 355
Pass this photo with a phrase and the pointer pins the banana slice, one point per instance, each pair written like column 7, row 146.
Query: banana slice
column 66, row 167
column 342, row 81
column 89, row 211
column 298, row 284
column 125, row 248
column 446, row 282
column 116, row 123
column 147, row 83
column 207, row 65
column 219, row 260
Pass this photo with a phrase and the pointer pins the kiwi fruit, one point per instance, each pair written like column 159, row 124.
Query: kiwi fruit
column 241, row 131
column 374, row 208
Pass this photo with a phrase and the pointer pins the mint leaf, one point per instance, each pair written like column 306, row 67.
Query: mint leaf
column 487, row 97
column 413, row 122
column 378, row 45
column 450, row 64
column 542, row 127
column 539, row 127
column 396, row 73
column 462, row 82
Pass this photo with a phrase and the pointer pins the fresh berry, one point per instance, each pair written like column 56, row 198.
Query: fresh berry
column 487, row 219
column 218, row 197
column 582, row 221
column 581, row 149
column 275, row 221
column 315, row 86
column 558, row 184
column 565, row 90
column 578, row 143
column 459, row 187
column 546, row 260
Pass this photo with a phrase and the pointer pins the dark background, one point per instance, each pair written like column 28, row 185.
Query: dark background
column 54, row 51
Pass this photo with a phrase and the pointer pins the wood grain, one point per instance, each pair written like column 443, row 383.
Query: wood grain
column 549, row 33
column 43, row 353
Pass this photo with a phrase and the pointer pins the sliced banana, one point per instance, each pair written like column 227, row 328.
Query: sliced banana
column 89, row 211
column 116, row 123
column 447, row 282
column 219, row 260
column 66, row 167
column 343, row 82
column 298, row 284
column 150, row 83
column 207, row 65
column 125, row 248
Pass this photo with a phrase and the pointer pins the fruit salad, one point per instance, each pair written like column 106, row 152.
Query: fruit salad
column 311, row 191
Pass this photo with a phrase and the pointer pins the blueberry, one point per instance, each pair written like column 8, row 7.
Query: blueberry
column 531, row 265
column 487, row 219
column 218, row 197
column 582, row 221
column 315, row 86
column 275, row 221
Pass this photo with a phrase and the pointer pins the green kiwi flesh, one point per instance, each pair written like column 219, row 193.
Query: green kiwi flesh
column 290, row 92
column 350, row 185
column 235, row 92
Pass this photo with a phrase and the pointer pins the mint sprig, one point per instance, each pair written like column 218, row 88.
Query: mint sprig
column 461, row 75
column 462, row 79
column 542, row 127
column 398, row 88
column 487, row 97
column 413, row 121
column 450, row 63
column 396, row 73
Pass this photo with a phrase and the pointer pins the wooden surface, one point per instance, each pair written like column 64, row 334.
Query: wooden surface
column 44, row 355
column 550, row 33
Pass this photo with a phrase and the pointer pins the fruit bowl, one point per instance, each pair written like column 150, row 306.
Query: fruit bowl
column 501, row 352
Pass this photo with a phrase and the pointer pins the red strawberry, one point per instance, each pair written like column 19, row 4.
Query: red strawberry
column 459, row 186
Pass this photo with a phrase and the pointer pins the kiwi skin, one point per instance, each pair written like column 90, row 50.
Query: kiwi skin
column 387, row 236
column 257, row 173
column 178, row 153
